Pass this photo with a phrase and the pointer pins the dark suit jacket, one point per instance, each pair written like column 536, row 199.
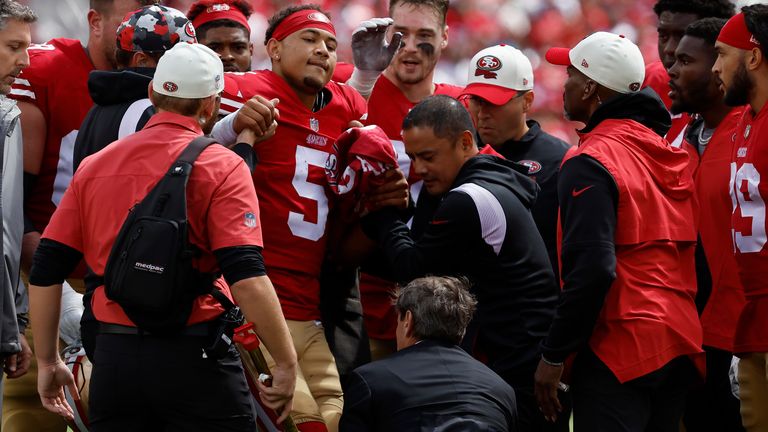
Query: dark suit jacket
column 429, row 386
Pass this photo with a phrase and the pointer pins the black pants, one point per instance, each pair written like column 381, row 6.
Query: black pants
column 531, row 419
column 651, row 403
column 712, row 406
column 147, row 383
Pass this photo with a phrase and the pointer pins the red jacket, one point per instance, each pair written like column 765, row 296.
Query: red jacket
column 649, row 315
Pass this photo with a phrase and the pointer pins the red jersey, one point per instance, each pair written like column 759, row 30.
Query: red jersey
column 387, row 108
column 657, row 78
column 294, row 196
column 749, row 164
column 221, row 204
column 726, row 301
column 56, row 81
column 655, row 285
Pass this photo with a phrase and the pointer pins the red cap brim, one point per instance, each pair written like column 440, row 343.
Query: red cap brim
column 558, row 56
column 494, row 94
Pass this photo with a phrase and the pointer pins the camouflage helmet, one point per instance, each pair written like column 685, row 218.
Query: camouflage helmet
column 154, row 28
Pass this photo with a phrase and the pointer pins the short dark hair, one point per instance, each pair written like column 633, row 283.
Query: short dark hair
column 185, row 107
column 706, row 28
column 11, row 10
column 200, row 7
column 756, row 18
column 282, row 14
column 123, row 57
column 440, row 6
column 700, row 8
column 104, row 6
column 441, row 307
column 446, row 116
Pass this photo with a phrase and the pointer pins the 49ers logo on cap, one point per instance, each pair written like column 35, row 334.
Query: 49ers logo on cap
column 170, row 86
column 635, row 86
column 318, row 16
column 486, row 66
column 190, row 30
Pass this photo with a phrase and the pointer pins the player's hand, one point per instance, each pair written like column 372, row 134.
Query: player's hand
column 17, row 365
column 279, row 396
column 547, row 379
column 51, row 380
column 354, row 124
column 257, row 114
column 392, row 193
column 248, row 136
column 370, row 50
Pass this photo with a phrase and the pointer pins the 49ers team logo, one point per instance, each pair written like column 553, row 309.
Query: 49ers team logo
column 318, row 16
column 533, row 166
column 170, row 86
column 486, row 66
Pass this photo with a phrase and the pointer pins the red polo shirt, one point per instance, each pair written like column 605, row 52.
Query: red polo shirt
column 221, row 203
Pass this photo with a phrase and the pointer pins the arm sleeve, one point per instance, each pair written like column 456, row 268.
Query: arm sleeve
column 245, row 151
column 240, row 262
column 588, row 200
column 29, row 184
column 53, row 262
column 435, row 251
column 357, row 415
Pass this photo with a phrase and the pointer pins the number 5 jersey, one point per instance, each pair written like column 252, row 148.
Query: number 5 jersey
column 290, row 180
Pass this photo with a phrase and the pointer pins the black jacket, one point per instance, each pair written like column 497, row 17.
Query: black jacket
column 483, row 230
column 542, row 153
column 121, row 107
column 428, row 386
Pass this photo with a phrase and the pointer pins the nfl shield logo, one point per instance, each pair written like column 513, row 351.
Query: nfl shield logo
column 250, row 220
column 314, row 124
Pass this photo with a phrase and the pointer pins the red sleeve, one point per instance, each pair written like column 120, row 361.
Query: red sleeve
column 358, row 104
column 231, row 98
column 30, row 85
column 233, row 215
column 66, row 224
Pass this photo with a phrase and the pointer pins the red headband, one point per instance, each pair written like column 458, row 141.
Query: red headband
column 736, row 34
column 303, row 19
column 222, row 11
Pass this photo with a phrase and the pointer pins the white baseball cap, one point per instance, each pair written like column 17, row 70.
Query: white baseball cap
column 499, row 73
column 611, row 60
column 189, row 71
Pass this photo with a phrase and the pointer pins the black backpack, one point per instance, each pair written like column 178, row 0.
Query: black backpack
column 149, row 271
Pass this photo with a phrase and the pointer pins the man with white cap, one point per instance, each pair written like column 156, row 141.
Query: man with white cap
column 627, row 251
column 140, row 380
column 500, row 92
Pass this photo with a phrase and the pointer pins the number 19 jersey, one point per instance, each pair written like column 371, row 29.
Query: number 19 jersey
column 290, row 180
column 748, row 227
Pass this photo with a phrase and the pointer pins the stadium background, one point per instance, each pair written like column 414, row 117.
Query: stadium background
column 531, row 25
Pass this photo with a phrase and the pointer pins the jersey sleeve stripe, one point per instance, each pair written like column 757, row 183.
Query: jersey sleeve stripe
column 21, row 82
column 26, row 93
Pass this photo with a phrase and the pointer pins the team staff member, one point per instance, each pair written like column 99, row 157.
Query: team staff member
column 743, row 69
column 205, row 393
column 52, row 94
column 485, row 200
column 624, row 278
column 500, row 92
column 222, row 25
column 674, row 16
column 407, row 78
column 430, row 383
column 695, row 89
column 15, row 354
column 293, row 195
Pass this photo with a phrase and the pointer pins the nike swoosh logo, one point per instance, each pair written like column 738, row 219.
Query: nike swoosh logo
column 576, row 193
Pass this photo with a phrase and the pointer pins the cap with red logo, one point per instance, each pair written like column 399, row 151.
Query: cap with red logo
column 611, row 60
column 189, row 71
column 499, row 73
column 154, row 28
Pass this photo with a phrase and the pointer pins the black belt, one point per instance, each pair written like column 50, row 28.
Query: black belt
column 200, row 329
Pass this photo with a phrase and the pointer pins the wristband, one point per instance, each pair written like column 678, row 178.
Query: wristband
column 551, row 363
column 363, row 81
